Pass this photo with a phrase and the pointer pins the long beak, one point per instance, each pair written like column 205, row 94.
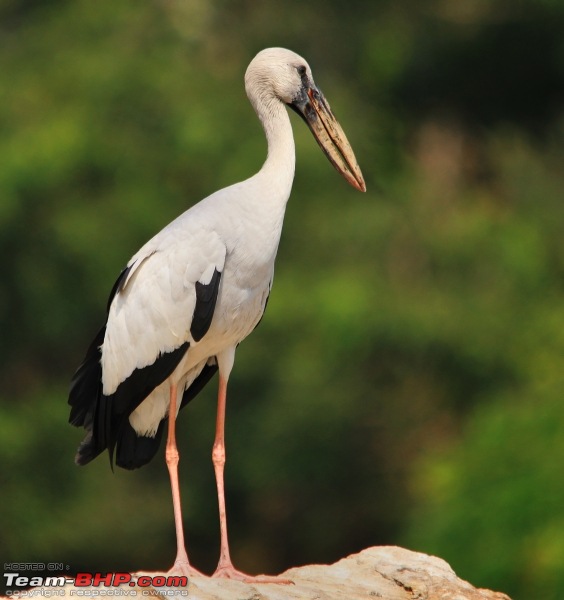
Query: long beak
column 316, row 112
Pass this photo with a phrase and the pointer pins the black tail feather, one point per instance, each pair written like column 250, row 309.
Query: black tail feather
column 86, row 384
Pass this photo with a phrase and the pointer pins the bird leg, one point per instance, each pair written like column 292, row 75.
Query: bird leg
column 181, row 563
column 225, row 566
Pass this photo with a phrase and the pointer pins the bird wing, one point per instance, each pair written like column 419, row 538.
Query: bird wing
column 165, row 299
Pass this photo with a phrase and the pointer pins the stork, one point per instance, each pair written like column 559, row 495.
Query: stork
column 193, row 292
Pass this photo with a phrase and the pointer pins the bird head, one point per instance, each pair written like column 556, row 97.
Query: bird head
column 280, row 75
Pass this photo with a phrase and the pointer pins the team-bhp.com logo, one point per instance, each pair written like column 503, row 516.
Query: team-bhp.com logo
column 20, row 585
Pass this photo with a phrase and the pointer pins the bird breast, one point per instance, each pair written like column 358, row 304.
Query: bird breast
column 243, row 293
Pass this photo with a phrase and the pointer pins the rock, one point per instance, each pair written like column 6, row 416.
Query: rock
column 387, row 572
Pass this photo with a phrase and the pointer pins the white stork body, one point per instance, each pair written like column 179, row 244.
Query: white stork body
column 235, row 231
column 196, row 290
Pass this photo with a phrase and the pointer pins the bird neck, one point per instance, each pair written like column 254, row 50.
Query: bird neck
column 280, row 163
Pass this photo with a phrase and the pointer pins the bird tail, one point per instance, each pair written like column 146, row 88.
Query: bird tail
column 94, row 411
column 106, row 418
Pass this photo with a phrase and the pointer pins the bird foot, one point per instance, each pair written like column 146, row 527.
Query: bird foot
column 230, row 572
column 182, row 567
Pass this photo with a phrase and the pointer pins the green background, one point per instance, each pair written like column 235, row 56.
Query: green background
column 406, row 384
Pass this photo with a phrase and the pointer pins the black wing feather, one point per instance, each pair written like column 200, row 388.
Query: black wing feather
column 206, row 297
column 198, row 384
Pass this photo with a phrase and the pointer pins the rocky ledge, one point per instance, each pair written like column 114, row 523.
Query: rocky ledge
column 385, row 572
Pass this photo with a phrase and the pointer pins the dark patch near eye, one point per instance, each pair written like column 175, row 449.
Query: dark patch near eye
column 302, row 71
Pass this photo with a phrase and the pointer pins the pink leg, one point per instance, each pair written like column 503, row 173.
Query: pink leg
column 181, row 563
column 225, row 567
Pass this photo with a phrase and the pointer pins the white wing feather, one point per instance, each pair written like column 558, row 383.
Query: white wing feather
column 152, row 312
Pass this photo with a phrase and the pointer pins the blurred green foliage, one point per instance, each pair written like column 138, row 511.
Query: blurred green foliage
column 406, row 383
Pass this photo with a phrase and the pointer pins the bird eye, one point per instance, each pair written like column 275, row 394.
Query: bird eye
column 301, row 70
